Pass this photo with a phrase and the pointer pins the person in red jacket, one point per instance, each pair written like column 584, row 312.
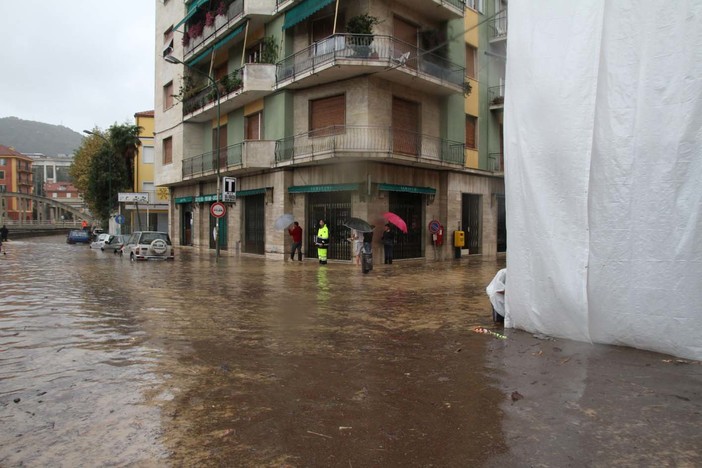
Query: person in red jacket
column 295, row 232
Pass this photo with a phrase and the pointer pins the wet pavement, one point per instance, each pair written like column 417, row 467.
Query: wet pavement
column 248, row 362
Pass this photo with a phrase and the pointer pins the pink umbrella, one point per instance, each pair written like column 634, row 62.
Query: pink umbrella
column 392, row 218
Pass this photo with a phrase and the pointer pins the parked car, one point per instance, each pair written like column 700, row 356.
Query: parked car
column 99, row 241
column 149, row 245
column 78, row 236
column 114, row 244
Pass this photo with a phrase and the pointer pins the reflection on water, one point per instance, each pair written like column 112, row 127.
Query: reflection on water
column 245, row 359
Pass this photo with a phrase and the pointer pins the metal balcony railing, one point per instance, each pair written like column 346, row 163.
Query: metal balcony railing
column 368, row 141
column 206, row 163
column 496, row 162
column 222, row 24
column 369, row 48
column 498, row 26
column 460, row 4
column 227, row 84
column 496, row 95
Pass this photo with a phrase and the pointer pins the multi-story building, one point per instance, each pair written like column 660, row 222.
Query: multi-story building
column 15, row 176
column 327, row 110
column 152, row 215
column 64, row 192
column 49, row 169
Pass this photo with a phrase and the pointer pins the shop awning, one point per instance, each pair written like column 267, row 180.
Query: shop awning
column 322, row 188
column 192, row 9
column 206, row 198
column 181, row 200
column 406, row 189
column 247, row 193
column 220, row 43
column 302, row 11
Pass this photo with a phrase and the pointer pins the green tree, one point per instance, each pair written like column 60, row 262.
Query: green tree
column 125, row 142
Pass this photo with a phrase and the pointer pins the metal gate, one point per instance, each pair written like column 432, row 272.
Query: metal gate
column 334, row 208
column 470, row 218
column 254, row 230
column 409, row 207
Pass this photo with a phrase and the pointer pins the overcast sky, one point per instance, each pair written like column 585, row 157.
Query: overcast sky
column 77, row 63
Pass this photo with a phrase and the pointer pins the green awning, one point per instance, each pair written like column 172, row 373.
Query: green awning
column 217, row 45
column 192, row 9
column 302, row 11
column 180, row 200
column 206, row 198
column 322, row 188
column 406, row 189
column 246, row 193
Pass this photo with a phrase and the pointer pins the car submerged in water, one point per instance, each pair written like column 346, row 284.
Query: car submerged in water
column 149, row 245
column 78, row 236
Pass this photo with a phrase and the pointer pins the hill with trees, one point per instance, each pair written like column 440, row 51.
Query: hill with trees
column 27, row 136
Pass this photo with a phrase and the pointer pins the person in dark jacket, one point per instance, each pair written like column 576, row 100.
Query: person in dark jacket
column 296, row 234
column 3, row 233
column 388, row 240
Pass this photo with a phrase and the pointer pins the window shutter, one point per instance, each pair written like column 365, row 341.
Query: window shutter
column 405, row 126
column 327, row 115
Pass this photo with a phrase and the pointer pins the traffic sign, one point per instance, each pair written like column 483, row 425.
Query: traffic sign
column 218, row 210
column 229, row 189
column 434, row 226
column 119, row 219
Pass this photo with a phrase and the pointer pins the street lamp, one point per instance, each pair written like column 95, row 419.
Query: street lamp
column 175, row 61
column 109, row 180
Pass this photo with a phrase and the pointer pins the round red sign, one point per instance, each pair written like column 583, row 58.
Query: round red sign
column 217, row 209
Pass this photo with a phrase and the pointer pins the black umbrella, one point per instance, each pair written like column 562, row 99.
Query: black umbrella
column 358, row 224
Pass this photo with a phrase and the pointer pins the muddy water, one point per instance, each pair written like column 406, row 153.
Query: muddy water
column 242, row 362
column 248, row 362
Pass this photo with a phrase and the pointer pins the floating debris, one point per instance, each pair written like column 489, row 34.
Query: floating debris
column 485, row 331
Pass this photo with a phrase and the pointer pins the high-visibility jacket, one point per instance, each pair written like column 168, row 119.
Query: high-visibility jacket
column 323, row 235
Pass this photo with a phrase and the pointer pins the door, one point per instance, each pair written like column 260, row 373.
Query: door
column 405, row 37
column 405, row 127
column 471, row 221
column 186, row 223
column 254, row 228
column 409, row 207
column 334, row 208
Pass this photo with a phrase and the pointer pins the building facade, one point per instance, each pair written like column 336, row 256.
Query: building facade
column 326, row 110
column 15, row 176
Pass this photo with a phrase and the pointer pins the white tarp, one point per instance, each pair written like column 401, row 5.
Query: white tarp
column 603, row 150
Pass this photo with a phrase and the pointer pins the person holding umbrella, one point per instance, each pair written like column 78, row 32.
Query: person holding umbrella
column 322, row 242
column 295, row 232
column 388, row 240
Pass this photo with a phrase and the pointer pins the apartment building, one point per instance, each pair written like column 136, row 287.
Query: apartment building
column 327, row 110
column 15, row 176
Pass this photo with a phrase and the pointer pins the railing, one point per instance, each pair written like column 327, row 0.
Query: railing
column 207, row 162
column 495, row 162
column 366, row 141
column 460, row 4
column 227, row 84
column 221, row 23
column 394, row 52
column 498, row 26
column 496, row 95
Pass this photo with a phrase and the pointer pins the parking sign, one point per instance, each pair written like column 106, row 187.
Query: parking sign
column 229, row 189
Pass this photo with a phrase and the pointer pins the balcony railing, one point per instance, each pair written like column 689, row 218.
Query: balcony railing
column 369, row 142
column 207, row 162
column 498, row 26
column 384, row 51
column 222, row 24
column 227, row 84
column 496, row 95
column 496, row 162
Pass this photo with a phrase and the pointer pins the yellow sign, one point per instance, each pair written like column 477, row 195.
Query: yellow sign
column 162, row 194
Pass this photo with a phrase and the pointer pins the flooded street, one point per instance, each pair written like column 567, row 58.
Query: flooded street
column 248, row 362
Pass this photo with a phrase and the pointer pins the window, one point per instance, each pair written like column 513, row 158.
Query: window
column 3, row 188
column 167, row 150
column 68, row 194
column 49, row 172
column 2, row 174
column 252, row 126
column 3, row 162
column 168, row 41
column 168, row 96
column 471, row 61
column 253, row 53
column 147, row 156
column 475, row 5
column 471, row 132
column 327, row 116
column 148, row 187
column 54, row 194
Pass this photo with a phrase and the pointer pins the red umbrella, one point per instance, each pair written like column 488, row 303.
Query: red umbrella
column 392, row 218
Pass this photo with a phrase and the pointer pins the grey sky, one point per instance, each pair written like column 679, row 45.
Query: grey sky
column 77, row 63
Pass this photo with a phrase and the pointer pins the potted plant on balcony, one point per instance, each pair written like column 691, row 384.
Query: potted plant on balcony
column 361, row 27
column 269, row 50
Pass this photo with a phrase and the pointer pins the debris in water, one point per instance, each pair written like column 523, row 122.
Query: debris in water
column 485, row 331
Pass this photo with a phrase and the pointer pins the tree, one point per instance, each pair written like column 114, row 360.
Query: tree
column 125, row 141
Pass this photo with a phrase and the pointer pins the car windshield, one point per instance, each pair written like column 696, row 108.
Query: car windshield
column 149, row 237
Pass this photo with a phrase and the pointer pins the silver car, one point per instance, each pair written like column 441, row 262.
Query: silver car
column 149, row 245
column 99, row 241
column 114, row 244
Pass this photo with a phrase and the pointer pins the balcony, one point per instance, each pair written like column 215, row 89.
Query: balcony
column 250, row 154
column 344, row 56
column 496, row 162
column 498, row 27
column 385, row 144
column 496, row 97
column 441, row 10
column 237, row 89
column 258, row 11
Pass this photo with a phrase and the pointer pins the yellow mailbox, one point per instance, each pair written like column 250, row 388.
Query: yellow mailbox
column 459, row 238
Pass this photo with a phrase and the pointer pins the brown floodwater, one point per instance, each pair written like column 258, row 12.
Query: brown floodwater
column 252, row 362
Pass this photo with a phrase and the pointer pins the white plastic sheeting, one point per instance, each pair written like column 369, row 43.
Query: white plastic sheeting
column 603, row 150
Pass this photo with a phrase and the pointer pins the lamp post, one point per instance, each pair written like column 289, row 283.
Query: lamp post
column 175, row 61
column 109, row 180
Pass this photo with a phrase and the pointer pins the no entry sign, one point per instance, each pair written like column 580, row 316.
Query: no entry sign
column 217, row 209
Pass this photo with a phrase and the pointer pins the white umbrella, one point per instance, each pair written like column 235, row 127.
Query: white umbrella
column 284, row 221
